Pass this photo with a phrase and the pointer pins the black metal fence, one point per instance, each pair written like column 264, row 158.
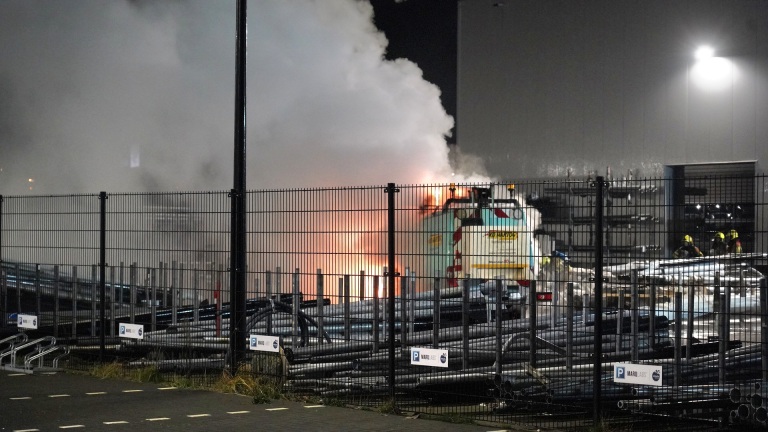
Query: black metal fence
column 475, row 300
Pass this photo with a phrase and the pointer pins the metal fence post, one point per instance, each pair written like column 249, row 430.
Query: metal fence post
column 112, row 301
column 635, row 316
column 391, row 190
column 498, row 305
column 436, row 311
column 465, row 323
column 56, row 285
column 132, row 281
column 295, row 306
column 347, row 310
column 102, row 272
column 598, row 301
column 38, row 293
column 764, row 327
column 3, row 279
column 94, row 289
column 74, row 302
column 376, row 318
column 689, row 323
column 532, row 323
column 320, row 306
column 153, row 299
column 569, row 328
column 174, row 293
column 678, row 336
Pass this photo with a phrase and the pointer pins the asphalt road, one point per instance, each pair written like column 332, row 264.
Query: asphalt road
column 62, row 401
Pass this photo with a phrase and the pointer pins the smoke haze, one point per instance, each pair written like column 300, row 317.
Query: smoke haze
column 127, row 96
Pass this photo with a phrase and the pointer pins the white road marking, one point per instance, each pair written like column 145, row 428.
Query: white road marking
column 71, row 426
column 115, row 422
column 132, row 391
column 275, row 409
column 167, row 388
column 21, row 398
column 19, row 374
column 238, row 412
column 27, row 430
column 96, row 393
column 58, row 395
column 158, row 419
column 314, row 406
column 198, row 415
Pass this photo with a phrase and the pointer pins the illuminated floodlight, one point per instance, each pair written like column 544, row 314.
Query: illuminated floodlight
column 704, row 52
column 711, row 73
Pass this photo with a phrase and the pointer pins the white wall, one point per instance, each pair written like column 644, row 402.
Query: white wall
column 547, row 87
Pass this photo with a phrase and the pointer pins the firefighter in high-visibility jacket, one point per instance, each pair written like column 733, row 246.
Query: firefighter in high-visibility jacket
column 734, row 244
column 687, row 249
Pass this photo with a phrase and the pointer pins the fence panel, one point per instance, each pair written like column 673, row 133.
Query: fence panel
column 493, row 314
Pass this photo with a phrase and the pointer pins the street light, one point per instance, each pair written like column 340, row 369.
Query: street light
column 704, row 52
column 710, row 73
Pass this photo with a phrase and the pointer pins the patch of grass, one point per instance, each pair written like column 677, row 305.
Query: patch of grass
column 387, row 407
column 108, row 370
column 116, row 370
column 262, row 389
column 335, row 402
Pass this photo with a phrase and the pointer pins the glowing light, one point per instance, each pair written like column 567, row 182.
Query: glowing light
column 714, row 74
column 704, row 52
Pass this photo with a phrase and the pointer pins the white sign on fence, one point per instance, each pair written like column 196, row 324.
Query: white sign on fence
column 429, row 357
column 264, row 343
column 26, row 321
column 627, row 373
column 133, row 331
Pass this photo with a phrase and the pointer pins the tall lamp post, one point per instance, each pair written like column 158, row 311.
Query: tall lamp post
column 237, row 313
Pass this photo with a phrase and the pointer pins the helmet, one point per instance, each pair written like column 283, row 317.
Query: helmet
column 733, row 234
column 687, row 239
column 720, row 236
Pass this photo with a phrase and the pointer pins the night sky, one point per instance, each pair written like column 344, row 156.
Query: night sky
column 425, row 32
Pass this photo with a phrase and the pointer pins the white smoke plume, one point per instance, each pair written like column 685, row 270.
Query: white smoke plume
column 127, row 96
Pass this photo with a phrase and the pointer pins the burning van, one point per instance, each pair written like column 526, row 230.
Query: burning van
column 478, row 235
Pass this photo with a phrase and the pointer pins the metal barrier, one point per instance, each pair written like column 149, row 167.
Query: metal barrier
column 554, row 303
